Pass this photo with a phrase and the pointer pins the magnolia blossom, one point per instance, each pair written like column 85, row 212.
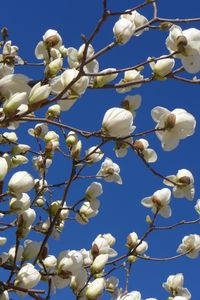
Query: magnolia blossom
column 184, row 184
column 117, row 122
column 21, row 182
column 123, row 31
column 110, row 171
column 4, row 296
column 159, row 201
column 69, row 262
column 11, row 253
column 111, row 286
column 3, row 168
column 40, row 130
column 141, row 146
column 93, row 191
column 101, row 80
column 190, row 246
column 174, row 285
column 138, row 20
column 89, row 209
column 76, row 90
column 93, row 155
column 102, row 245
column 132, row 78
column 187, row 42
column 99, row 263
column 10, row 136
column 132, row 103
column 28, row 217
column 38, row 94
column 175, row 125
column 19, row 203
column 135, row 295
column 13, row 103
column 162, row 67
column 75, row 58
column 31, row 249
column 134, row 242
column 14, row 83
column 57, row 205
column 51, row 39
column 121, row 147
column 27, row 278
column 95, row 289
column 79, row 281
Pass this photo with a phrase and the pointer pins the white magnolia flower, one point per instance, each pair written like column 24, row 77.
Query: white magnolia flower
column 14, row 83
column 101, row 80
column 89, row 209
column 121, row 147
column 13, row 103
column 21, row 182
column 3, row 168
column 79, row 281
column 11, row 253
column 70, row 262
column 92, row 192
column 28, row 217
column 11, row 136
column 20, row 149
column 135, row 295
column 138, row 20
column 134, row 242
column 174, row 285
column 175, row 125
column 31, row 249
column 75, row 58
column 190, row 246
column 94, row 155
column 131, row 76
column 18, row 160
column 141, row 146
column 55, row 205
column 123, row 30
column 95, row 289
column 40, row 130
column 3, row 258
column 117, row 122
column 187, row 42
column 111, row 285
column 179, row 298
column 87, row 257
column 162, row 67
column 38, row 94
column 159, row 201
column 19, row 203
column 51, row 38
column 132, row 103
column 99, row 263
column 40, row 164
column 27, row 278
column 184, row 187
column 110, row 171
column 101, row 245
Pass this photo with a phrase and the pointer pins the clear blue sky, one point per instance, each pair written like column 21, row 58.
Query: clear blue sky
column 120, row 212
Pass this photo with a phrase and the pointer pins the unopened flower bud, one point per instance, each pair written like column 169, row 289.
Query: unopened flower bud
column 138, row 146
column 71, row 139
column 99, row 263
column 53, row 68
column 76, row 150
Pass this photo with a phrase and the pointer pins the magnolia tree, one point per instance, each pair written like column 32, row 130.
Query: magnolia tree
column 34, row 210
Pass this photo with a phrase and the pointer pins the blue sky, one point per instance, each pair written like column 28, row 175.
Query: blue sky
column 120, row 212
